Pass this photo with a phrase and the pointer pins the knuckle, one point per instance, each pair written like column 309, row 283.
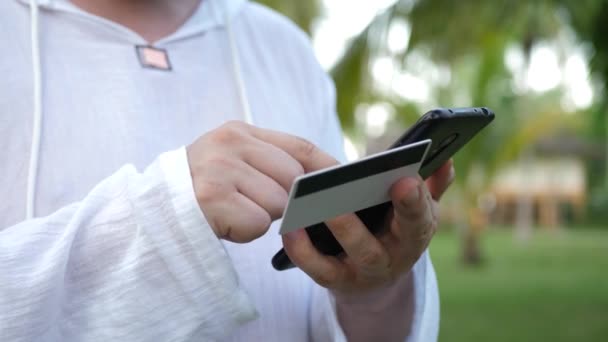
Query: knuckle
column 428, row 231
column 326, row 279
column 434, row 228
column 259, row 218
column 262, row 222
column 343, row 226
column 207, row 191
column 247, row 224
column 306, row 148
column 413, row 211
column 278, row 202
column 372, row 257
column 412, row 214
column 236, row 124
column 434, row 224
column 224, row 164
column 259, row 226
column 423, row 236
column 297, row 171
column 229, row 133
column 436, row 212
column 289, row 174
column 221, row 230
column 420, row 215
column 224, row 229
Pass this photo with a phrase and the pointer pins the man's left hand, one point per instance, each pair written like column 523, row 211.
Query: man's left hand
column 372, row 262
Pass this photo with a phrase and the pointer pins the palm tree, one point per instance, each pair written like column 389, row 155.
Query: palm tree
column 469, row 37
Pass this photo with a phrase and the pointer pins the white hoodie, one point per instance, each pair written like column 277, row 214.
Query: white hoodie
column 121, row 254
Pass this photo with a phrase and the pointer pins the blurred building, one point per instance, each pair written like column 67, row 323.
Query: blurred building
column 546, row 187
column 547, row 190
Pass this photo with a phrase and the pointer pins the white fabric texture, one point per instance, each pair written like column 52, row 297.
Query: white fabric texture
column 122, row 254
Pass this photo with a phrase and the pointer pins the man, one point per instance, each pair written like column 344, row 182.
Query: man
column 93, row 249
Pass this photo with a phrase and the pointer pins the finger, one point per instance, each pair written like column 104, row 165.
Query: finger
column 273, row 162
column 441, row 179
column 403, row 253
column 326, row 271
column 236, row 217
column 262, row 190
column 306, row 153
column 361, row 246
column 412, row 212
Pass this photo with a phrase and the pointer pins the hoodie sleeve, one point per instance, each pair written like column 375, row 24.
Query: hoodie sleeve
column 134, row 261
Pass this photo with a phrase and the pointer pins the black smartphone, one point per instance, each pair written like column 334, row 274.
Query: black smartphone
column 448, row 128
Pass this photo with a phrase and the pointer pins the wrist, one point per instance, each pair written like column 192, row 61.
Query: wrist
column 377, row 299
column 382, row 314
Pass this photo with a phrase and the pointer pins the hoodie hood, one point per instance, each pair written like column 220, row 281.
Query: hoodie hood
column 210, row 14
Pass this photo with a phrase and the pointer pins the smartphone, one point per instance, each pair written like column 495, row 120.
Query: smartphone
column 449, row 129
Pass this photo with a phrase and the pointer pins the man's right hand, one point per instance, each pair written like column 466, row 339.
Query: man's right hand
column 242, row 175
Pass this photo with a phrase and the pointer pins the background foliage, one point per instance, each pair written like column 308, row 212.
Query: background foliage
column 551, row 287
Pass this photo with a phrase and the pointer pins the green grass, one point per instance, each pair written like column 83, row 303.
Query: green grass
column 552, row 288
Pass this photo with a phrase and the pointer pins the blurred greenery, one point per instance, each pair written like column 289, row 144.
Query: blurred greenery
column 470, row 39
column 302, row 13
column 552, row 288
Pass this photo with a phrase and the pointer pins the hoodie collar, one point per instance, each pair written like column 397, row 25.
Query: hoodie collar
column 210, row 14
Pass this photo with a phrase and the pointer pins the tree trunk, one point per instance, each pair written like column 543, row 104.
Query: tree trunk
column 472, row 251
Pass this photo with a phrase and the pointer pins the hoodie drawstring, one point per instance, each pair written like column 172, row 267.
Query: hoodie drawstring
column 32, row 175
column 237, row 72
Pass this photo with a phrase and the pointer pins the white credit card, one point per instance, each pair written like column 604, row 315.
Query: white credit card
column 321, row 195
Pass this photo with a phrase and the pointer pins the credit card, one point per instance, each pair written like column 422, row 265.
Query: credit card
column 324, row 194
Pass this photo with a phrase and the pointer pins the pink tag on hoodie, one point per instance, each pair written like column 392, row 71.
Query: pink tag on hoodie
column 154, row 58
